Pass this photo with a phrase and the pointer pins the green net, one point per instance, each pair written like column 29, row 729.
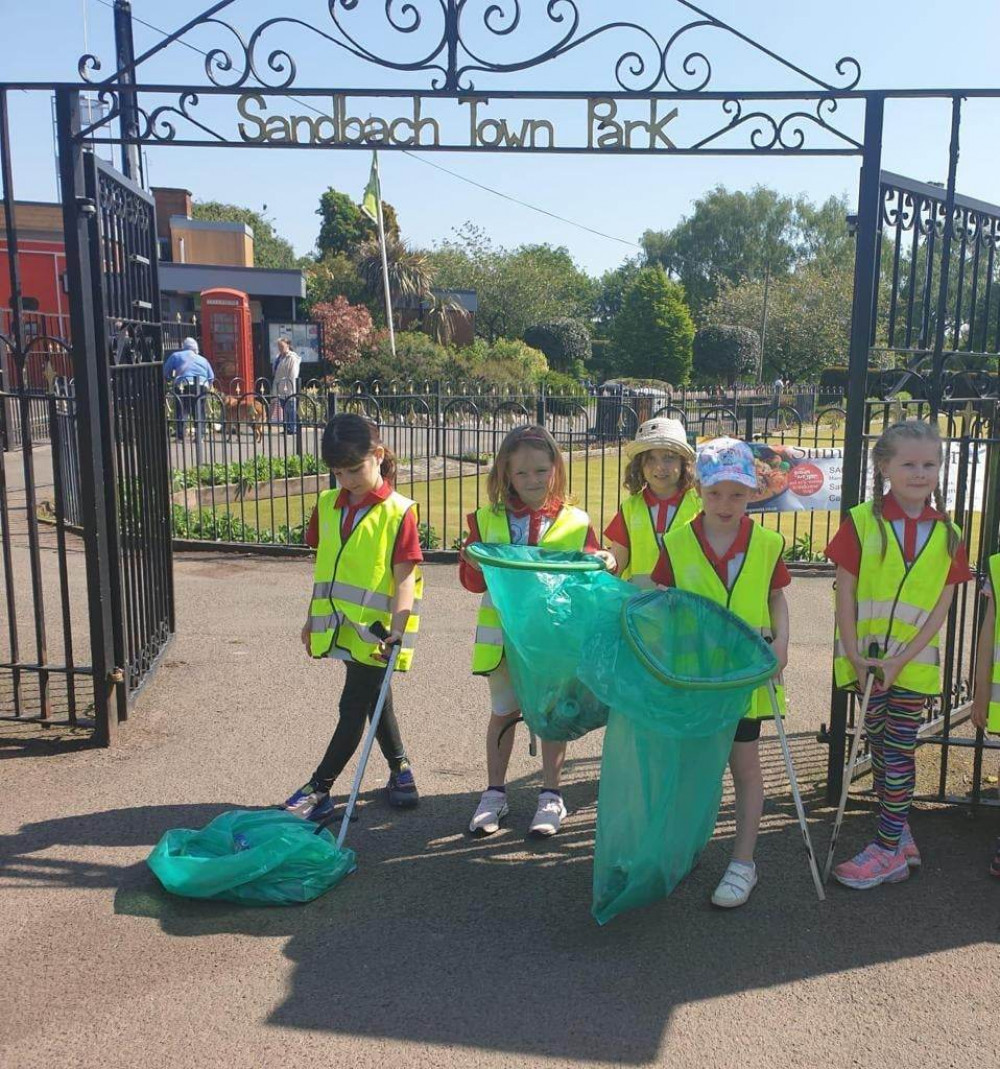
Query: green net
column 670, row 674
column 255, row 857
column 547, row 600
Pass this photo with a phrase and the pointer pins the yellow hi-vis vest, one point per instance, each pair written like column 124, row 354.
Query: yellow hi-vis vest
column 353, row 583
column 644, row 546
column 993, row 721
column 748, row 598
column 894, row 601
column 567, row 531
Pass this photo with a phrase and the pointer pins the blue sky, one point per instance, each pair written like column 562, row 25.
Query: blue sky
column 909, row 47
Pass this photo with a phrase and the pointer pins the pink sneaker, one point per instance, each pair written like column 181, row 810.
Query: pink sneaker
column 874, row 865
column 908, row 848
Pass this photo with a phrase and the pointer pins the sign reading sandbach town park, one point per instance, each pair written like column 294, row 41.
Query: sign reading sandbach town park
column 604, row 123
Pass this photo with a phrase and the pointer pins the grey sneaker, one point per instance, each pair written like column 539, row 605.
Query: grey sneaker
column 489, row 813
column 549, row 815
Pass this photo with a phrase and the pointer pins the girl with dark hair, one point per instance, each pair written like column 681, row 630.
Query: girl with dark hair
column 367, row 544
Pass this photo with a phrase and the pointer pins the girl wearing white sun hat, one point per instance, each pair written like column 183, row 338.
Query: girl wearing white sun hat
column 660, row 481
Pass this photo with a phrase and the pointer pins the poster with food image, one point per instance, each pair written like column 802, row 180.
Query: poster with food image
column 792, row 478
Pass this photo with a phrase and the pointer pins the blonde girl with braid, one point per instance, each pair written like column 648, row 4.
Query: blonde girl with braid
column 899, row 558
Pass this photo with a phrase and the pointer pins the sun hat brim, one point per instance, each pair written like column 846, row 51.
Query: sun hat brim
column 672, row 445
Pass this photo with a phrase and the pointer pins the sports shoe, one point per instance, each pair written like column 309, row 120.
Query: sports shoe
column 874, row 865
column 734, row 888
column 549, row 815
column 491, row 810
column 995, row 865
column 402, row 789
column 908, row 848
column 323, row 812
column 304, row 802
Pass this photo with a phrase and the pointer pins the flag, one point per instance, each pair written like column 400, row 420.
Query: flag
column 369, row 202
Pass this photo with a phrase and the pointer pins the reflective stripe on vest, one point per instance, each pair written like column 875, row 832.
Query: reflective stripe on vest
column 644, row 545
column 748, row 598
column 353, row 584
column 895, row 600
column 993, row 715
column 568, row 531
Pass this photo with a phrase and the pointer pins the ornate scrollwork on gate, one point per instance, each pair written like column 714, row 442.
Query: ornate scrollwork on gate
column 453, row 41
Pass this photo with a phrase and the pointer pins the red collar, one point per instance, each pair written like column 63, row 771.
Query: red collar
column 519, row 508
column 892, row 510
column 373, row 497
column 740, row 542
column 651, row 499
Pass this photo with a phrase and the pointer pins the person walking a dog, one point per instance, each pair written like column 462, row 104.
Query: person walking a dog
column 188, row 375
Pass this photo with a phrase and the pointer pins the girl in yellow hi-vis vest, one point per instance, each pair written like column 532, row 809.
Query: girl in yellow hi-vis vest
column 723, row 555
column 986, row 697
column 367, row 546
column 660, row 482
column 527, row 493
column 898, row 559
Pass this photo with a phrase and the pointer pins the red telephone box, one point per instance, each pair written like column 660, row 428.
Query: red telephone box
column 227, row 340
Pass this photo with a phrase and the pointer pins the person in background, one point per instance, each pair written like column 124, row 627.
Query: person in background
column 188, row 374
column 286, row 383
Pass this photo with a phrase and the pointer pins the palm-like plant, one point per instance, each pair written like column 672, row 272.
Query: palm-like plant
column 441, row 313
column 409, row 270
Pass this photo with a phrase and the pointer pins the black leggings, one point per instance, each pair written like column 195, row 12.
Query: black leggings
column 357, row 703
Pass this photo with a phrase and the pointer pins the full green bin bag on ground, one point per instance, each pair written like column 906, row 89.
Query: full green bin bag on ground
column 549, row 601
column 677, row 671
column 254, row 857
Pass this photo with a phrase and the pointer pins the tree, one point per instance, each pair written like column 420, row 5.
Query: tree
column 725, row 353
column 565, row 343
column 728, row 236
column 808, row 319
column 269, row 249
column 409, row 270
column 345, row 226
column 610, row 292
column 336, row 275
column 441, row 312
column 345, row 329
column 515, row 288
column 654, row 332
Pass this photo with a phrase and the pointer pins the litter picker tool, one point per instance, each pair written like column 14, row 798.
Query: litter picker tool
column 379, row 631
column 793, row 781
column 873, row 651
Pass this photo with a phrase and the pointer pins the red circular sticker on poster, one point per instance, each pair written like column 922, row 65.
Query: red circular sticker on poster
column 805, row 480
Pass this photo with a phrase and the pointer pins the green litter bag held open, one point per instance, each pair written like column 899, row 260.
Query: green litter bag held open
column 255, row 857
column 548, row 601
column 677, row 671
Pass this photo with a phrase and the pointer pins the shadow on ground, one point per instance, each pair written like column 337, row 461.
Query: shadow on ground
column 440, row 938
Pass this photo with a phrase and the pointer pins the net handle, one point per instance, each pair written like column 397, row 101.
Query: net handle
column 478, row 551
column 655, row 670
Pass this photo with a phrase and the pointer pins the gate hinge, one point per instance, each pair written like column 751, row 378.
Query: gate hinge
column 86, row 206
column 116, row 675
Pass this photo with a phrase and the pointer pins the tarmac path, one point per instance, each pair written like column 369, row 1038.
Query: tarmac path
column 441, row 950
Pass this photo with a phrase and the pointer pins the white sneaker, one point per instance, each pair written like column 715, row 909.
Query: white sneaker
column 549, row 815
column 735, row 886
column 491, row 810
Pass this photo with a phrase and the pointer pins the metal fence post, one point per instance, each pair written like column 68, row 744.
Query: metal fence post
column 94, row 424
column 865, row 275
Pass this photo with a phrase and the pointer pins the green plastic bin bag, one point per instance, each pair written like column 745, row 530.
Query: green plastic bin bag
column 255, row 857
column 678, row 671
column 549, row 602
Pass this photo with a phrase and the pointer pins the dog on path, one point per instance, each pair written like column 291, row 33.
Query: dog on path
column 240, row 410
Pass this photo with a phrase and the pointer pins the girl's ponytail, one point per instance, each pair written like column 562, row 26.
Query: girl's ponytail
column 388, row 465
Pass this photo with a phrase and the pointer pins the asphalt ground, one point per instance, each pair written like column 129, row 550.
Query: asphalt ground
column 442, row 950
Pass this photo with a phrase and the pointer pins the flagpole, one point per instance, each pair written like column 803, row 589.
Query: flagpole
column 385, row 263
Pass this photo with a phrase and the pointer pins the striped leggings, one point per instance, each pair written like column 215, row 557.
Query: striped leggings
column 892, row 722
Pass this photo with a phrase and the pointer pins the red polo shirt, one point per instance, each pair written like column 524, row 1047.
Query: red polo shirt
column 474, row 580
column 660, row 508
column 845, row 547
column 663, row 573
column 407, row 549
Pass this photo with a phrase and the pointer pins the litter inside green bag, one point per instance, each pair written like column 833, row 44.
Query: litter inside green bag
column 254, row 857
column 547, row 601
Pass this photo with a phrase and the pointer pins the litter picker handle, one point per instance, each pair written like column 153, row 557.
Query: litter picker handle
column 873, row 652
column 381, row 633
